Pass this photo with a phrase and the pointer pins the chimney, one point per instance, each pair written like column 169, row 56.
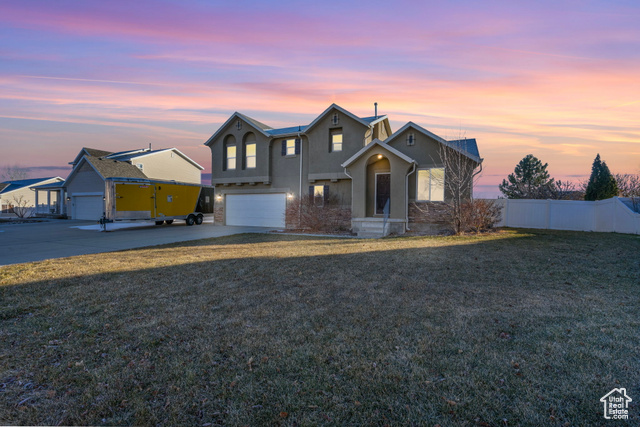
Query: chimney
column 375, row 104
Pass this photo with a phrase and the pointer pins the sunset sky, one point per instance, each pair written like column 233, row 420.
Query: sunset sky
column 557, row 79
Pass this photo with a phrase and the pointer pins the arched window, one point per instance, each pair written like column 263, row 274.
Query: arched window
column 249, row 161
column 230, row 153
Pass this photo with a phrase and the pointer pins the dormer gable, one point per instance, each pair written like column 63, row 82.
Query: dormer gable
column 233, row 120
column 467, row 146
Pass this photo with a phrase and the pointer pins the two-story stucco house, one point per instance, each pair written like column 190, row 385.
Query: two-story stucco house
column 382, row 176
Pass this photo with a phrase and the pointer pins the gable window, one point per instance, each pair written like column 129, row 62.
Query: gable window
column 318, row 194
column 229, row 153
column 411, row 139
column 231, row 157
column 335, row 119
column 430, row 185
column 336, row 140
column 290, row 147
column 250, row 155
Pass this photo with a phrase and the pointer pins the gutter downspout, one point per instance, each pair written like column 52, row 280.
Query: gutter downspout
column 406, row 186
column 351, row 178
column 300, row 188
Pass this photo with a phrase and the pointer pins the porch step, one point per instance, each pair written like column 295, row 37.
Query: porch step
column 370, row 234
column 372, row 230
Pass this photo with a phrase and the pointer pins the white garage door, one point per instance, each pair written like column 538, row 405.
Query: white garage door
column 259, row 210
column 88, row 207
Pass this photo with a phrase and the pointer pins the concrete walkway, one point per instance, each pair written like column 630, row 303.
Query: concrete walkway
column 63, row 238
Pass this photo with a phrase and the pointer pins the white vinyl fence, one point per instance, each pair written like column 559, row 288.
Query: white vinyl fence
column 611, row 215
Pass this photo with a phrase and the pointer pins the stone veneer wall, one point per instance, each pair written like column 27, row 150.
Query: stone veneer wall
column 329, row 218
column 218, row 213
column 428, row 216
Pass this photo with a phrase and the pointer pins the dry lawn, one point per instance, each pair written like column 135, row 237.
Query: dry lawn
column 516, row 328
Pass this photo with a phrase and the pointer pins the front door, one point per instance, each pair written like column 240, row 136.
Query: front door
column 383, row 190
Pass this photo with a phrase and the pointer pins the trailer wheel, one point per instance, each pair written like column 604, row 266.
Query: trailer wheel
column 199, row 219
column 191, row 220
column 169, row 221
column 159, row 222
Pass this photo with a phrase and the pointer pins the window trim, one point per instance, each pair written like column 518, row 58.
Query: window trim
column 234, row 157
column 429, row 186
column 297, row 142
column 332, row 144
column 316, row 197
column 254, row 156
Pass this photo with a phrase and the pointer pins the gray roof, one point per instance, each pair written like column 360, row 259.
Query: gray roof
column 292, row 130
column 128, row 155
column 121, row 155
column 286, row 131
column 372, row 118
column 468, row 145
column 382, row 144
column 95, row 152
column 89, row 152
column 256, row 123
column 20, row 183
column 109, row 168
column 51, row 185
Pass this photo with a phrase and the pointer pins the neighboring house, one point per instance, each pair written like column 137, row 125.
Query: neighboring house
column 22, row 189
column 85, row 185
column 341, row 158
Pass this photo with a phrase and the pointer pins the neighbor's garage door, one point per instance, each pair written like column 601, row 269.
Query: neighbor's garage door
column 88, row 207
column 260, row 210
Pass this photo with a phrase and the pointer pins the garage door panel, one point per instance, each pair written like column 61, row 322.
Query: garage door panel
column 88, row 207
column 259, row 210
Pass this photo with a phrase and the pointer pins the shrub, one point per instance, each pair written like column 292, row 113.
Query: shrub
column 479, row 215
column 331, row 217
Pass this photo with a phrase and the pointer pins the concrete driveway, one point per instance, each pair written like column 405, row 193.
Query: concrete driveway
column 61, row 238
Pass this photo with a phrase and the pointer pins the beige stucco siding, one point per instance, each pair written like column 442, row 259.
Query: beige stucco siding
column 380, row 131
column 168, row 165
column 427, row 153
column 326, row 161
column 363, row 173
column 258, row 174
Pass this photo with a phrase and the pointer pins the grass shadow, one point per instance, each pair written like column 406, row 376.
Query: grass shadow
column 290, row 330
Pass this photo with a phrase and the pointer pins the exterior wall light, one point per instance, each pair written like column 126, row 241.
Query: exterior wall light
column 219, row 198
column 379, row 156
column 290, row 195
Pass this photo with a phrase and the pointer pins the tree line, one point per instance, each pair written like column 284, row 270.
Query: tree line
column 531, row 180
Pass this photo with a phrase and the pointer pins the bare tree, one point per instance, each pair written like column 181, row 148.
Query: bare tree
column 21, row 207
column 567, row 190
column 460, row 175
column 13, row 173
column 629, row 186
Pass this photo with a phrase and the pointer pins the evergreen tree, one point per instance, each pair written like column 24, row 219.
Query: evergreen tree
column 530, row 180
column 602, row 185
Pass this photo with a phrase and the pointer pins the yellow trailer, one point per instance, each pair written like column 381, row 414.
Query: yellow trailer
column 129, row 199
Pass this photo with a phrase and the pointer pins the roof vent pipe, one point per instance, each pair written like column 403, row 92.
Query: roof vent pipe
column 375, row 104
